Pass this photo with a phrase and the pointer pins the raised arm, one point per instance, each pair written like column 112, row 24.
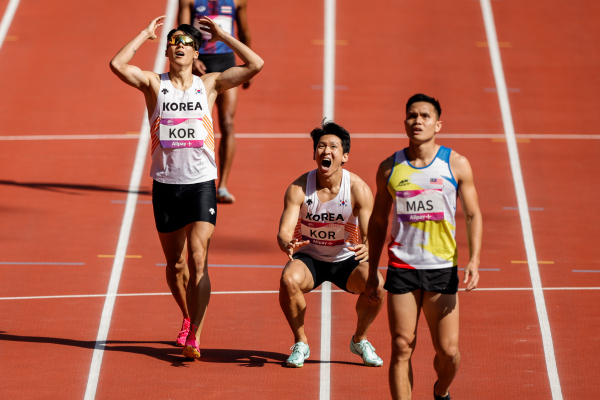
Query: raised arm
column 233, row 76
column 468, row 199
column 294, row 197
column 130, row 74
column 243, row 29
column 378, row 224
column 184, row 16
column 363, row 206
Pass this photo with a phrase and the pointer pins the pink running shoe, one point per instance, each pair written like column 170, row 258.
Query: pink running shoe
column 191, row 349
column 185, row 329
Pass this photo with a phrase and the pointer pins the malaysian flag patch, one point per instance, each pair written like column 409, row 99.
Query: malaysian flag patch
column 435, row 181
column 226, row 9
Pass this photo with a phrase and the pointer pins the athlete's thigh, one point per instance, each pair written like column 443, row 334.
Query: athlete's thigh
column 300, row 273
column 358, row 278
column 173, row 245
column 199, row 234
column 403, row 314
column 227, row 103
column 441, row 313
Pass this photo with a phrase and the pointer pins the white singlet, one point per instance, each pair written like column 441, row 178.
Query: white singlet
column 183, row 141
column 330, row 227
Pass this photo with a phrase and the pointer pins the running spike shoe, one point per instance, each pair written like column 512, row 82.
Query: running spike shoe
column 183, row 334
column 367, row 352
column 191, row 349
column 300, row 352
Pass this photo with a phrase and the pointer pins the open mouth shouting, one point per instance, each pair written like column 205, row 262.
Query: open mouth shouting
column 326, row 163
column 179, row 53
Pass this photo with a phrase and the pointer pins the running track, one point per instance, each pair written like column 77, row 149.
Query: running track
column 63, row 201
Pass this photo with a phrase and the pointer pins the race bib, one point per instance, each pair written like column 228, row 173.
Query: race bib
column 323, row 233
column 176, row 133
column 224, row 21
column 420, row 205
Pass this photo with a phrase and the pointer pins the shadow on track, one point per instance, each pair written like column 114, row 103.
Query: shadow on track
column 167, row 352
column 67, row 188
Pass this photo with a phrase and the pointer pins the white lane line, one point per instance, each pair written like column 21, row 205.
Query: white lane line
column 307, row 136
column 7, row 18
column 325, row 372
column 85, row 296
column 328, row 114
column 515, row 164
column 134, row 183
column 329, row 62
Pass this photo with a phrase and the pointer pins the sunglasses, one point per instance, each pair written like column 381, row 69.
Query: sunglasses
column 184, row 40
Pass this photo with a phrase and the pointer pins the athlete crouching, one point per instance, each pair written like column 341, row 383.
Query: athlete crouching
column 183, row 158
column 325, row 212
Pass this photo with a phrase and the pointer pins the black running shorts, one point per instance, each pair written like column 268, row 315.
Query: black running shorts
column 404, row 280
column 217, row 62
column 176, row 206
column 335, row 272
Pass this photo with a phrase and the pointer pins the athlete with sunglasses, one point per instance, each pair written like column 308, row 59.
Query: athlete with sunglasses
column 183, row 157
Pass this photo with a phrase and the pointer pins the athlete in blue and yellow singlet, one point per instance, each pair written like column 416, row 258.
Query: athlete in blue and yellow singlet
column 421, row 184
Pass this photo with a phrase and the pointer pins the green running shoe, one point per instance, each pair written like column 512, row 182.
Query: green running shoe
column 300, row 352
column 367, row 352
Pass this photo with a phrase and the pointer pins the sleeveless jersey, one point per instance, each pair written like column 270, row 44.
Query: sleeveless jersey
column 220, row 11
column 423, row 221
column 172, row 160
column 330, row 227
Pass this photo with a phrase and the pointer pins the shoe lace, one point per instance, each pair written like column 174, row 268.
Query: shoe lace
column 297, row 348
column 367, row 348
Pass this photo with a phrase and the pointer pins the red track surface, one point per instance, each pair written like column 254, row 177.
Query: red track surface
column 57, row 199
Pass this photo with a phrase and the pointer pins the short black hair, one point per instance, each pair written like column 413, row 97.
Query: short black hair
column 331, row 128
column 420, row 97
column 189, row 31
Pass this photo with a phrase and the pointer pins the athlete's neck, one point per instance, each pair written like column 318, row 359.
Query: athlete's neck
column 332, row 182
column 422, row 154
column 181, row 78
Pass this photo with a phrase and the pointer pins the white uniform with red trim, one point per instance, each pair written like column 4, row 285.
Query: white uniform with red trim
column 183, row 142
column 330, row 227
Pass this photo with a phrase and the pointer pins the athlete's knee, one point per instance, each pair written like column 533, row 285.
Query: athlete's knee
column 449, row 353
column 197, row 260
column 290, row 282
column 402, row 347
column 226, row 123
column 176, row 265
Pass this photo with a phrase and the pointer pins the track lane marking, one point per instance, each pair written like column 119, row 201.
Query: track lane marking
column 328, row 114
column 127, row 222
column 7, row 18
column 84, row 296
column 513, row 153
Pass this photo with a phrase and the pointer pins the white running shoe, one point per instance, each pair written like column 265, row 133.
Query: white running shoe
column 367, row 352
column 300, row 352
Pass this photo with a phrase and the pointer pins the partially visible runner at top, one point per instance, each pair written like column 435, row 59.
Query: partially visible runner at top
column 323, row 231
column 217, row 57
column 421, row 183
column 183, row 158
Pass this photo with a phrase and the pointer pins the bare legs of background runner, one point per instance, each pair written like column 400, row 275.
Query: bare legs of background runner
column 226, row 107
